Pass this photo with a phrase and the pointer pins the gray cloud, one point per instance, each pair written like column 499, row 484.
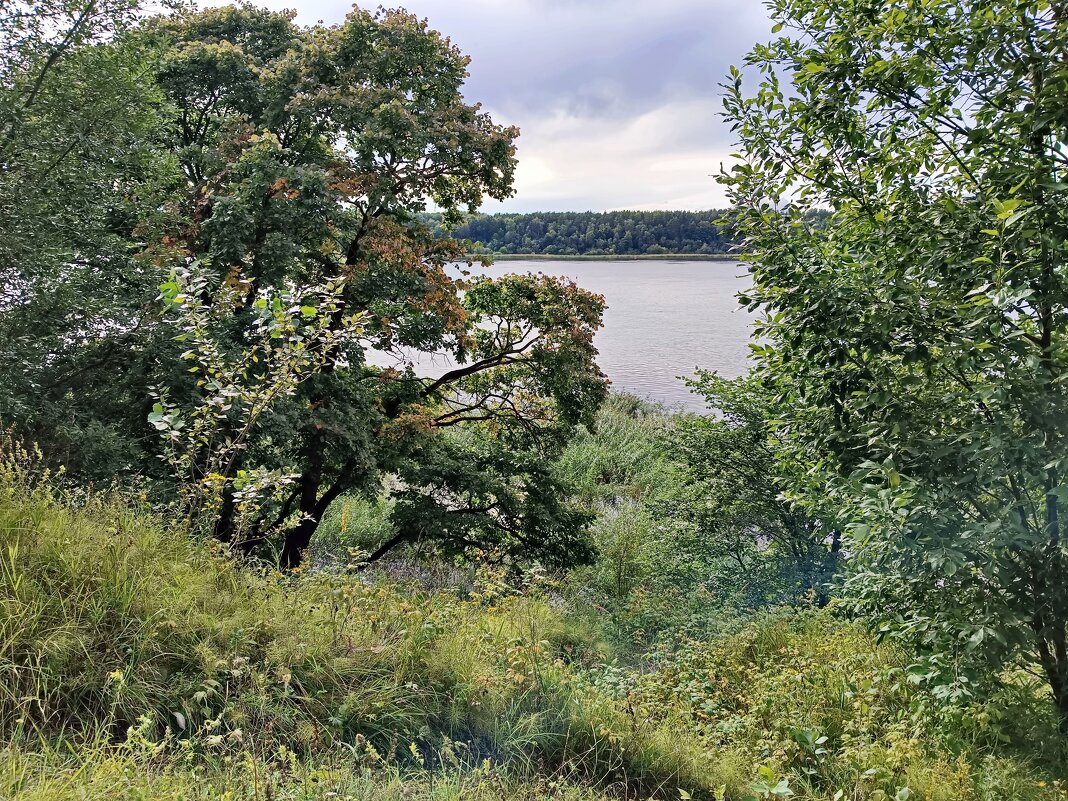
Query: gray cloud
column 617, row 100
column 601, row 57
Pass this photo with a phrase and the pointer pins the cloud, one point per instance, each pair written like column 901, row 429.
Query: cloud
column 617, row 100
column 659, row 159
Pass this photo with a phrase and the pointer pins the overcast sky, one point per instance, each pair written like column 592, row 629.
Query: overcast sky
column 617, row 101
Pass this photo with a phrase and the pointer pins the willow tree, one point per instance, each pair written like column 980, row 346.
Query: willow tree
column 920, row 337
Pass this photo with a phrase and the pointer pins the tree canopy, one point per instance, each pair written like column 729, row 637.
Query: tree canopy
column 229, row 272
column 919, row 340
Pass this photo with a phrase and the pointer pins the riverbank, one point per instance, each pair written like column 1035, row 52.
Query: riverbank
column 612, row 257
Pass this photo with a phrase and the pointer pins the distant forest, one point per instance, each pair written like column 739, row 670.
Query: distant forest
column 570, row 233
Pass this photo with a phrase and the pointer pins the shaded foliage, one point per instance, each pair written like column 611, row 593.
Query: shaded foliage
column 917, row 341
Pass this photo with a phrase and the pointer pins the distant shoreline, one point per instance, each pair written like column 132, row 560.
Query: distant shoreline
column 610, row 257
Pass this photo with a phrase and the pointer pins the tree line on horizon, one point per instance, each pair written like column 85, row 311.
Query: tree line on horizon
column 590, row 233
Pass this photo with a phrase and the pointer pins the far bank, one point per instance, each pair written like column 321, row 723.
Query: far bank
column 610, row 257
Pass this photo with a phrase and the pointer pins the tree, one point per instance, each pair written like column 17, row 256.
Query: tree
column 732, row 498
column 276, row 246
column 918, row 338
column 305, row 154
column 37, row 41
column 76, row 122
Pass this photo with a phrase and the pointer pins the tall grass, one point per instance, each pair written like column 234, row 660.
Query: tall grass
column 622, row 456
column 138, row 663
column 111, row 625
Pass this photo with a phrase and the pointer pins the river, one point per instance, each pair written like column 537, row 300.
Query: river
column 664, row 320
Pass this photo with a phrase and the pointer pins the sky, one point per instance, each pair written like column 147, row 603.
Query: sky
column 617, row 101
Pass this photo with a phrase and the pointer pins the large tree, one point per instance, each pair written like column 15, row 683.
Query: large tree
column 76, row 120
column 281, row 224
column 920, row 337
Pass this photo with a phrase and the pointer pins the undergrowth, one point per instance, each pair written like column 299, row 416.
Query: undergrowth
column 136, row 662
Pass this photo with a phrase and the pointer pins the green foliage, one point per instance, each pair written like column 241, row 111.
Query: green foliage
column 300, row 191
column 917, row 340
column 693, row 525
column 732, row 498
column 620, row 455
column 292, row 336
column 76, row 123
column 353, row 523
column 110, row 775
column 593, row 233
column 824, row 711
column 257, row 243
column 113, row 627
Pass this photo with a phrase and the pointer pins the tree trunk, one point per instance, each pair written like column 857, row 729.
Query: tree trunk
column 312, row 505
column 223, row 529
column 1056, row 669
column 1061, row 699
column 830, row 568
column 297, row 540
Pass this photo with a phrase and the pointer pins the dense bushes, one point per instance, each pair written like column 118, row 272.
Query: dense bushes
column 810, row 697
column 690, row 530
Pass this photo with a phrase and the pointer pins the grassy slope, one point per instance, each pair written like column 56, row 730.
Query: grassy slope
column 137, row 664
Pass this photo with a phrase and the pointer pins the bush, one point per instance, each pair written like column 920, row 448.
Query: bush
column 813, row 700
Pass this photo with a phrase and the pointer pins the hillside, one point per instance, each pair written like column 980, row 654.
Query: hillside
column 173, row 672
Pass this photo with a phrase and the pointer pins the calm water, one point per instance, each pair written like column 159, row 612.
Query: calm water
column 664, row 320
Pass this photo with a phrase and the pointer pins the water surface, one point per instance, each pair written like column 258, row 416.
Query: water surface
column 665, row 319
